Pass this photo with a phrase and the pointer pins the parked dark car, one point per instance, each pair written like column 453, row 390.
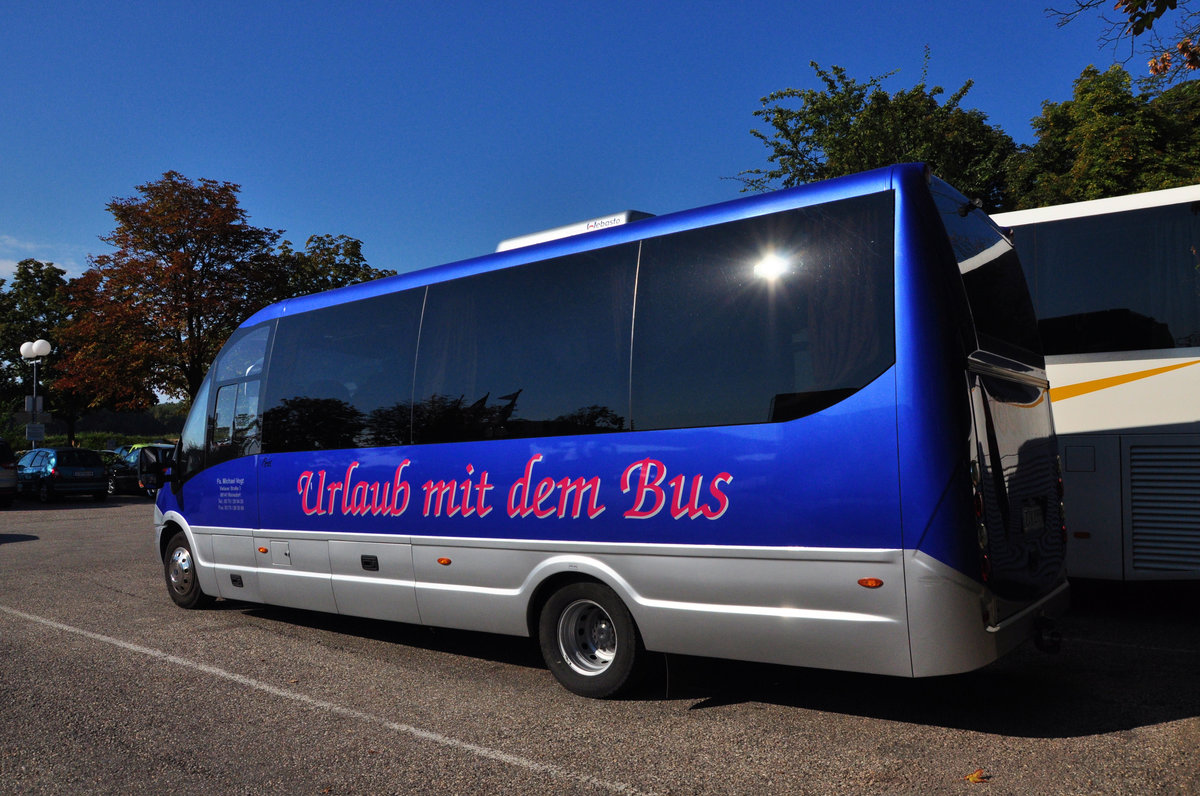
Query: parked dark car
column 51, row 472
column 123, row 469
column 8, row 474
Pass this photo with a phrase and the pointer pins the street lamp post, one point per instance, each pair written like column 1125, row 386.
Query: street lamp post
column 33, row 353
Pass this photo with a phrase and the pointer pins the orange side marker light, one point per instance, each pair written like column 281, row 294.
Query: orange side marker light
column 870, row 583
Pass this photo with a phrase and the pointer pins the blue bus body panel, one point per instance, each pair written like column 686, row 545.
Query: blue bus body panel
column 932, row 407
column 828, row 480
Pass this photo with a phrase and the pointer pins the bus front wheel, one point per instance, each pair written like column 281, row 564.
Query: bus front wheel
column 179, row 569
column 589, row 640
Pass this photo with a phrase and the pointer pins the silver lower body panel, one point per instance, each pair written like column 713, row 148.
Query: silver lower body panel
column 792, row 606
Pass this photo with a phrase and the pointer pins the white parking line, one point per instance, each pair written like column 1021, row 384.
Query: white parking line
column 340, row 710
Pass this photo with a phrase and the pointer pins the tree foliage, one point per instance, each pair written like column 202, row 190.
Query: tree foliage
column 851, row 126
column 1173, row 46
column 185, row 269
column 33, row 307
column 36, row 306
column 327, row 262
column 1106, row 141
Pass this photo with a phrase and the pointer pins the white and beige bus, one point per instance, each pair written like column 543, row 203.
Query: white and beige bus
column 1116, row 286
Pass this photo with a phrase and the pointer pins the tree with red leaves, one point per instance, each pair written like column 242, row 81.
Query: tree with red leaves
column 186, row 269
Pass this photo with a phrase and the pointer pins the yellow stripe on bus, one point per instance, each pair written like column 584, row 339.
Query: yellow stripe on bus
column 1085, row 387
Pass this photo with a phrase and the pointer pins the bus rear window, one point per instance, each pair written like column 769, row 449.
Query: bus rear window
column 1005, row 322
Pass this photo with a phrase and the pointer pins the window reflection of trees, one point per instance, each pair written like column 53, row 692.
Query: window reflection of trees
column 299, row 423
column 441, row 418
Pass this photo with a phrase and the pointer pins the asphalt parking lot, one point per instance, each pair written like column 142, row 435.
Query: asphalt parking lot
column 107, row 687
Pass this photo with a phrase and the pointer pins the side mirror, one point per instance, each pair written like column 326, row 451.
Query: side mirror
column 154, row 467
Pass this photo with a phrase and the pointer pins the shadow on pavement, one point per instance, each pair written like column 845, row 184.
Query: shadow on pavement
column 1127, row 661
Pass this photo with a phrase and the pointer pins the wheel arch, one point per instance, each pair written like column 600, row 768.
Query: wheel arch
column 172, row 525
column 561, row 570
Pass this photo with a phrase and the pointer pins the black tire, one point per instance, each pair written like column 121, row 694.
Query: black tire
column 179, row 571
column 44, row 493
column 100, row 497
column 590, row 641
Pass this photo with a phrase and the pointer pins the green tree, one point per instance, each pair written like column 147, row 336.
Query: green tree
column 8, row 372
column 1106, row 141
column 851, row 126
column 33, row 307
column 327, row 262
column 187, row 267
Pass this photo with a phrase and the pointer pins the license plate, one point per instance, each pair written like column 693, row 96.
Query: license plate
column 85, row 474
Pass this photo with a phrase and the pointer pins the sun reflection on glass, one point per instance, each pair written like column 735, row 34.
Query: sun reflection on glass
column 772, row 266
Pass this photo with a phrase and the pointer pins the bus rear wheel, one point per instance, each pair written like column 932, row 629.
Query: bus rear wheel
column 179, row 569
column 589, row 640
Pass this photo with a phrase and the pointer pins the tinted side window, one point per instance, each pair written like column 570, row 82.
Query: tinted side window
column 1001, row 308
column 235, row 423
column 1116, row 282
column 242, row 356
column 764, row 319
column 537, row 350
column 341, row 377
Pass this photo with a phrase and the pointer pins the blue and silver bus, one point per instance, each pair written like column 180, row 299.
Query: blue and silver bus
column 809, row 427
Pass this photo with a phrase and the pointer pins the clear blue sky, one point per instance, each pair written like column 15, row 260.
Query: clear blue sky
column 430, row 131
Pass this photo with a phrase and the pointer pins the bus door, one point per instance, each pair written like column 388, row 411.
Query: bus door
column 217, row 490
column 231, row 484
column 1014, row 458
column 1014, row 471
